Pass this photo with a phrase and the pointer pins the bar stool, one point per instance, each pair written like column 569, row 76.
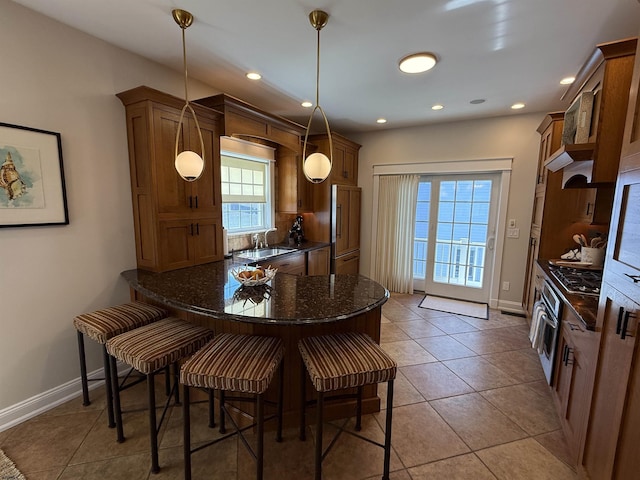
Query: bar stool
column 100, row 326
column 341, row 361
column 236, row 363
column 149, row 349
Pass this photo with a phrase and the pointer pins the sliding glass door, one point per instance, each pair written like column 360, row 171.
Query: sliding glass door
column 455, row 235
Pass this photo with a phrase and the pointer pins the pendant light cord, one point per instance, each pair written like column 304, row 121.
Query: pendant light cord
column 184, row 62
column 318, row 69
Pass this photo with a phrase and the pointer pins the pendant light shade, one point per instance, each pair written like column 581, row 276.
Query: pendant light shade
column 188, row 164
column 317, row 166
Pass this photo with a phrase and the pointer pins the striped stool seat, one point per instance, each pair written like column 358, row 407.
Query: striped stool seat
column 100, row 326
column 237, row 363
column 345, row 360
column 149, row 349
column 341, row 361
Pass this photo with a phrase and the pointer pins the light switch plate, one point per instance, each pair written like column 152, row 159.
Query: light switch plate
column 513, row 233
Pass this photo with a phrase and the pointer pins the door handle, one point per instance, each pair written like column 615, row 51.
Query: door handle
column 491, row 243
column 620, row 315
column 339, row 226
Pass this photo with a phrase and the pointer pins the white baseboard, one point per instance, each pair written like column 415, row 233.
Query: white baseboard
column 511, row 307
column 34, row 406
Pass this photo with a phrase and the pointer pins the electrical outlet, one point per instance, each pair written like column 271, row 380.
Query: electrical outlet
column 506, row 285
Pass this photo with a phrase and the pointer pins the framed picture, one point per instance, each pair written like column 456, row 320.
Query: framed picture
column 32, row 190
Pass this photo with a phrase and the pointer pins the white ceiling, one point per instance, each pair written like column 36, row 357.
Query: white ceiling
column 504, row 51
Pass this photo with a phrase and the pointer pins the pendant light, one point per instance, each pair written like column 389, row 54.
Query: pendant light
column 317, row 166
column 188, row 163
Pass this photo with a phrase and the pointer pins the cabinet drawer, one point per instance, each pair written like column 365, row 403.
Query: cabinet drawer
column 348, row 264
column 293, row 263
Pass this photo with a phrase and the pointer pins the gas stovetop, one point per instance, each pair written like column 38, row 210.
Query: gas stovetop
column 575, row 280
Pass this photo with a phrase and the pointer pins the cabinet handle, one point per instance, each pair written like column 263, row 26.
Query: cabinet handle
column 573, row 327
column 635, row 278
column 566, row 358
column 197, row 229
column 190, row 201
column 620, row 315
column 564, row 355
column 625, row 324
column 196, row 201
column 191, row 229
column 589, row 205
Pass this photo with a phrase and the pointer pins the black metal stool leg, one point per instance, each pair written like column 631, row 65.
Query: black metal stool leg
column 387, row 431
column 186, row 419
column 303, row 402
column 167, row 380
column 359, row 410
column 223, row 430
column 153, row 431
column 116, row 409
column 280, row 401
column 212, row 409
column 108, row 384
column 260, row 446
column 319, row 425
column 83, row 370
column 176, row 376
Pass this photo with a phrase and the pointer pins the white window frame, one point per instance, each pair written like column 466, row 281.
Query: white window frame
column 242, row 149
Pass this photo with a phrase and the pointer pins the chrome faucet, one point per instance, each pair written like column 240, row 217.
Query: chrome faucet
column 266, row 244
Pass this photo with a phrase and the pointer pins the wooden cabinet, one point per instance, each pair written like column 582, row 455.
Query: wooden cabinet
column 344, row 170
column 177, row 223
column 251, row 123
column 576, row 350
column 349, row 263
column 318, row 261
column 607, row 74
column 607, row 452
column 292, row 263
column 346, row 212
column 631, row 138
column 593, row 205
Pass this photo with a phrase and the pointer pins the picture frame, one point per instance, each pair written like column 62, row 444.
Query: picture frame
column 32, row 186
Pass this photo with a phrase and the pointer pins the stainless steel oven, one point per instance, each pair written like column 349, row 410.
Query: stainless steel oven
column 548, row 328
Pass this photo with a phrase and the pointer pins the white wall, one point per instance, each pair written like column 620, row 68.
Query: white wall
column 512, row 136
column 58, row 79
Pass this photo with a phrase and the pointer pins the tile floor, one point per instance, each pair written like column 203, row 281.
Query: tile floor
column 470, row 403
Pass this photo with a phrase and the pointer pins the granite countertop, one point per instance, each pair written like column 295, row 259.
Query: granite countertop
column 211, row 290
column 584, row 306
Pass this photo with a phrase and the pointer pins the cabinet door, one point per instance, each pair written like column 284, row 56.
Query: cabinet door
column 342, row 196
column 206, row 195
column 318, row 261
column 176, row 245
column 617, row 318
column 337, row 175
column 207, row 239
column 173, row 193
column 631, row 139
column 294, row 194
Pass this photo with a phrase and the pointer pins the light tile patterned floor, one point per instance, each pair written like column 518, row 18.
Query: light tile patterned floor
column 470, row 403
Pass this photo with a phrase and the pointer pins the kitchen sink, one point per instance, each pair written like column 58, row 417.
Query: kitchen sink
column 262, row 253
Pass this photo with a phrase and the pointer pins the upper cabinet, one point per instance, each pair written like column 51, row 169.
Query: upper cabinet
column 592, row 135
column 176, row 223
column 344, row 170
column 631, row 139
column 245, row 121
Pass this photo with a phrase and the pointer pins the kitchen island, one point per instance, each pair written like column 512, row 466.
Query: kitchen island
column 289, row 307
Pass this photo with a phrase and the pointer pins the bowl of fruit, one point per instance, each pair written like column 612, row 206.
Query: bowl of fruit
column 252, row 276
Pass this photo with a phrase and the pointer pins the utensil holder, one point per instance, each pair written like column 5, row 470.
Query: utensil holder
column 594, row 256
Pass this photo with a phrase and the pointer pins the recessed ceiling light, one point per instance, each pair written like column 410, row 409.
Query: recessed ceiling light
column 307, row 104
column 477, row 101
column 517, row 106
column 437, row 107
column 381, row 120
column 417, row 62
column 254, row 76
column 567, row 80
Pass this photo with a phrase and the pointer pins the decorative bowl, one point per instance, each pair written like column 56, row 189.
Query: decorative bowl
column 247, row 276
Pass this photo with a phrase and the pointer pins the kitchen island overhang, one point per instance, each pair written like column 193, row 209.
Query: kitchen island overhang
column 290, row 307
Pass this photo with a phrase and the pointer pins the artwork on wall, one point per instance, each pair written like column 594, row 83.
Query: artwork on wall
column 32, row 190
